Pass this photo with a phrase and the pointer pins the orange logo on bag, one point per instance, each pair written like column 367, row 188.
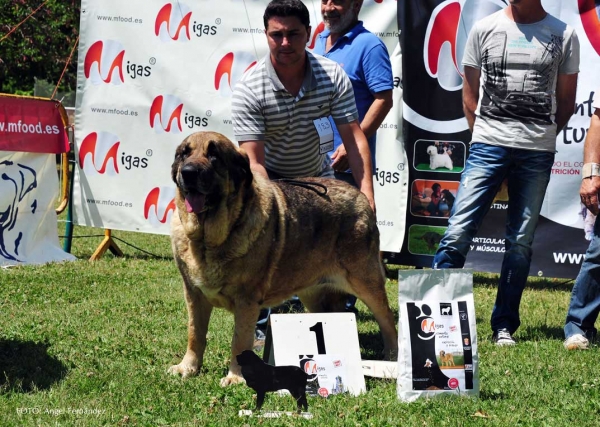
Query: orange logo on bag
column 428, row 325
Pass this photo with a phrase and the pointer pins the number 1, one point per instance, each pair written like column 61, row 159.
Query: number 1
column 317, row 328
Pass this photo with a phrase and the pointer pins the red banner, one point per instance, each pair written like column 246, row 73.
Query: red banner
column 32, row 125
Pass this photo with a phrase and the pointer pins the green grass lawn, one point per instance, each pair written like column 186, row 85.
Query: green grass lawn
column 425, row 167
column 88, row 344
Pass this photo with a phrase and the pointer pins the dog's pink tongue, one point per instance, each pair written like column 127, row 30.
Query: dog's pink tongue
column 194, row 202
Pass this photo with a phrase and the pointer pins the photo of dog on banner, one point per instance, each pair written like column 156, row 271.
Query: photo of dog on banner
column 433, row 198
column 439, row 156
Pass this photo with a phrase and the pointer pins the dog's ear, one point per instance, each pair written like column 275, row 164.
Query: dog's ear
column 241, row 171
column 183, row 150
column 238, row 164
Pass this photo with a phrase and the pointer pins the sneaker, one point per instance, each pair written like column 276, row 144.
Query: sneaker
column 577, row 342
column 502, row 337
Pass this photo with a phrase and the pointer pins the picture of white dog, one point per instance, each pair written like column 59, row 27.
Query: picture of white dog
column 437, row 160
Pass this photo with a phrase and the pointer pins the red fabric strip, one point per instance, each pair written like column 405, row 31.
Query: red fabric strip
column 31, row 125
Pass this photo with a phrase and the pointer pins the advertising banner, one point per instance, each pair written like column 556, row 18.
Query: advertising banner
column 32, row 132
column 31, row 125
column 151, row 72
column 433, row 37
column 28, row 223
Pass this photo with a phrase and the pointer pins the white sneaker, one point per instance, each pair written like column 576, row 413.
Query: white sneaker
column 577, row 342
column 502, row 337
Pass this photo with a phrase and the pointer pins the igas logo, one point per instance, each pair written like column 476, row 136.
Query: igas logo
column 421, row 321
column 98, row 154
column 446, row 36
column 103, row 63
column 164, row 112
column 166, row 115
column 174, row 18
column 318, row 30
column 173, row 22
column 590, row 22
column 159, row 205
column 230, row 69
column 309, row 366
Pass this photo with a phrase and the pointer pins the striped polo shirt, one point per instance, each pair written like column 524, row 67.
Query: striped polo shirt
column 263, row 110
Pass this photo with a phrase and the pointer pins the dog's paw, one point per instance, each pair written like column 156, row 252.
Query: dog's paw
column 183, row 369
column 232, row 379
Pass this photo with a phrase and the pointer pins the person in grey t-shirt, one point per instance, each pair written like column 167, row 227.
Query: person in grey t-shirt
column 520, row 80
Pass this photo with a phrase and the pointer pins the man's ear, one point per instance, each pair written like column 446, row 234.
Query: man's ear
column 357, row 5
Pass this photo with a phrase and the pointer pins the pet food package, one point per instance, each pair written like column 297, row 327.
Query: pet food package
column 437, row 335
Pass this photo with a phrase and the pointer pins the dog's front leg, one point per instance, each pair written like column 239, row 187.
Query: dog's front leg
column 245, row 315
column 199, row 310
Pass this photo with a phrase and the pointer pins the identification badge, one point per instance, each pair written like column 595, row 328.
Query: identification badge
column 325, row 132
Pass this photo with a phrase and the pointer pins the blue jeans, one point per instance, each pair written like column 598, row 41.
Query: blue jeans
column 585, row 297
column 528, row 173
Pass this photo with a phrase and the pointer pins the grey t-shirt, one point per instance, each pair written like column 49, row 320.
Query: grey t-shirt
column 263, row 110
column 519, row 66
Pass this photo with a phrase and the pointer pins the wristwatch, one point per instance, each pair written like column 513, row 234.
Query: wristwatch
column 589, row 170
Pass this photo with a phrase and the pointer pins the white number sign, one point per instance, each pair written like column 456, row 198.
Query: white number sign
column 325, row 345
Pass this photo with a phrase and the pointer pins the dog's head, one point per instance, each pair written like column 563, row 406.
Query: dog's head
column 16, row 182
column 247, row 358
column 431, row 150
column 207, row 168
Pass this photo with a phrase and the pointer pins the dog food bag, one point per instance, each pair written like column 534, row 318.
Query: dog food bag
column 436, row 334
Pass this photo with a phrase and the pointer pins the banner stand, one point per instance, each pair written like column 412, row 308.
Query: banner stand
column 107, row 243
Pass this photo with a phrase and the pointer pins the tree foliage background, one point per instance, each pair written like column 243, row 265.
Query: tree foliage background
column 40, row 47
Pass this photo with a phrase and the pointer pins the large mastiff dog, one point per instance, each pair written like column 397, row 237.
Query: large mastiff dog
column 243, row 242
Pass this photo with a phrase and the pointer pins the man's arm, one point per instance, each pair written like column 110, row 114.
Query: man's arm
column 591, row 154
column 381, row 106
column 374, row 116
column 256, row 154
column 359, row 158
column 470, row 94
column 566, row 89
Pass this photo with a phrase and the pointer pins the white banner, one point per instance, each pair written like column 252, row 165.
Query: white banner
column 562, row 204
column 28, row 223
column 151, row 72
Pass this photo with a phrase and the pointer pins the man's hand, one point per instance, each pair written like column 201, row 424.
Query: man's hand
column 589, row 193
column 340, row 159
column 591, row 154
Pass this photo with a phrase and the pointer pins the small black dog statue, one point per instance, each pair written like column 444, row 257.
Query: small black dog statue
column 263, row 377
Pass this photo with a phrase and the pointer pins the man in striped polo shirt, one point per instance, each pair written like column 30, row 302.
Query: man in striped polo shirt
column 281, row 106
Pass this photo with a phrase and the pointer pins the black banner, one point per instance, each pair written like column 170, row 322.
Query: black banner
column 433, row 34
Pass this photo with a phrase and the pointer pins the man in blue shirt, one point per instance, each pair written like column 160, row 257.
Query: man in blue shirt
column 365, row 59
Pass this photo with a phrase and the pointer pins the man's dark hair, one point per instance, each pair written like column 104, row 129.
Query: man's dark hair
column 285, row 8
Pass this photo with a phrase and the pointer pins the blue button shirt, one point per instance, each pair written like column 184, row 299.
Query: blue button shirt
column 365, row 59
